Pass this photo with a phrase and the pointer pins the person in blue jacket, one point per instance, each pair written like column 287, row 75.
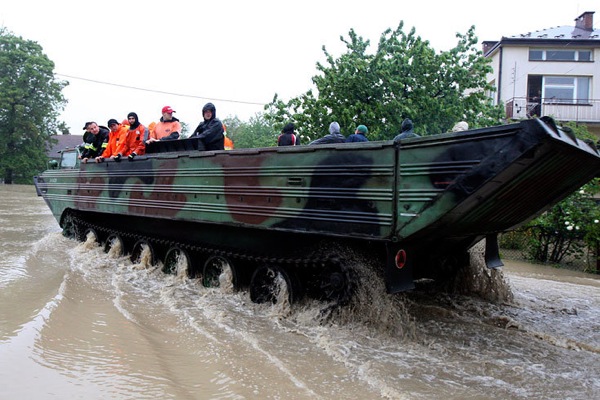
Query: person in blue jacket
column 359, row 135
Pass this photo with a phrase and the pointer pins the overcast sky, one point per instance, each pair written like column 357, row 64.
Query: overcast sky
column 235, row 53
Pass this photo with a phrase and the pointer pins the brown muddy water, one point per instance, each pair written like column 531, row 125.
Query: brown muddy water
column 76, row 323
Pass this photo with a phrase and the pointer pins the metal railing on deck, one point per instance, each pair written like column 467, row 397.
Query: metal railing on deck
column 562, row 110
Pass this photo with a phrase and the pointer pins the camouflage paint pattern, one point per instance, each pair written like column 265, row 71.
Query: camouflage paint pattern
column 446, row 190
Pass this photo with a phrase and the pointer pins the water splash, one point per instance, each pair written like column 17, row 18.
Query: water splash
column 282, row 306
column 370, row 305
column 182, row 267
column 116, row 249
column 145, row 259
column 91, row 241
column 477, row 279
column 226, row 278
column 373, row 307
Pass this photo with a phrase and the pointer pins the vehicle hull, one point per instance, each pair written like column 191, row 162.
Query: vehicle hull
column 421, row 201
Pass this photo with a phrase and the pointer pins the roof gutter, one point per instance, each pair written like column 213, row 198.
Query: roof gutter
column 500, row 74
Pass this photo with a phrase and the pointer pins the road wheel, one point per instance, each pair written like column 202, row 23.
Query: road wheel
column 272, row 284
column 142, row 253
column 337, row 284
column 177, row 261
column 219, row 272
column 70, row 228
column 91, row 235
column 114, row 245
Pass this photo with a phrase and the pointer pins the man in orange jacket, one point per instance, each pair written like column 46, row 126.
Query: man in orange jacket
column 168, row 128
column 117, row 142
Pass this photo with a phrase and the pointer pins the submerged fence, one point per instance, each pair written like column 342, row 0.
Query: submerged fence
column 586, row 262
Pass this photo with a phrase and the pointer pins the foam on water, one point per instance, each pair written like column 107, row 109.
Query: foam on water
column 90, row 325
column 413, row 345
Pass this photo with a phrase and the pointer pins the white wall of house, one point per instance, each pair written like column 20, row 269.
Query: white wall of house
column 514, row 73
column 517, row 67
column 513, row 81
column 559, row 65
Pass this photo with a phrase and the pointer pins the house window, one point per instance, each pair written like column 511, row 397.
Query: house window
column 536, row 55
column 566, row 89
column 559, row 55
column 585, row 55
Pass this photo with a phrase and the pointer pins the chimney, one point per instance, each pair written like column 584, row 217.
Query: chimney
column 585, row 21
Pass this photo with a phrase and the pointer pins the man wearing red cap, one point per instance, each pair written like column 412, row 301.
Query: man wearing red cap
column 168, row 128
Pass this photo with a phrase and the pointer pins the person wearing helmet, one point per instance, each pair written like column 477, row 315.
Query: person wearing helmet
column 210, row 131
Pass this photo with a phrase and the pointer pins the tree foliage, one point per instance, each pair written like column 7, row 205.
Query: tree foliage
column 567, row 229
column 30, row 101
column 404, row 78
column 185, row 130
column 257, row 132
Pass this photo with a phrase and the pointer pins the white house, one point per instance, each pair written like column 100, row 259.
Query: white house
column 553, row 72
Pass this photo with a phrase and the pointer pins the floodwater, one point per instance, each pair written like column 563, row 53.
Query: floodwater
column 76, row 323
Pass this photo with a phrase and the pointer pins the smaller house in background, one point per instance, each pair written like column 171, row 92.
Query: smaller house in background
column 553, row 72
column 63, row 142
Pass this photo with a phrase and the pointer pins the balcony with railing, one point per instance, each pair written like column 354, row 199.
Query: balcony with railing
column 587, row 111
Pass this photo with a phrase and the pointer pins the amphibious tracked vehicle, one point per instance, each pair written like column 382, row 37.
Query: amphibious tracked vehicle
column 412, row 207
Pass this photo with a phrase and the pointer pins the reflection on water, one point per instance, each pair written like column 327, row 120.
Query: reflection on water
column 76, row 322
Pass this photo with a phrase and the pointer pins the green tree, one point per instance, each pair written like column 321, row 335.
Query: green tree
column 233, row 124
column 257, row 132
column 565, row 229
column 185, row 130
column 30, row 102
column 404, row 78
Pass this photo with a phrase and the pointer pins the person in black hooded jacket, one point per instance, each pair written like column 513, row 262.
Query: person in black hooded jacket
column 407, row 131
column 288, row 137
column 210, row 131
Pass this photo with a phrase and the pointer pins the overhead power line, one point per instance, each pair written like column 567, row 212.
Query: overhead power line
column 159, row 91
